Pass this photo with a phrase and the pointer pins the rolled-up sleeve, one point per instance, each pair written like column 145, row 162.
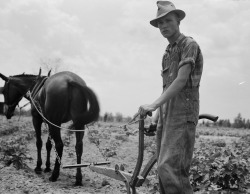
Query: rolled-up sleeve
column 189, row 55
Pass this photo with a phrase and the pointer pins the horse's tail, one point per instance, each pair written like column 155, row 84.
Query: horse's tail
column 93, row 108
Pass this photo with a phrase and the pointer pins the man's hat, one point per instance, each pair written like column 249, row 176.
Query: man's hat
column 165, row 7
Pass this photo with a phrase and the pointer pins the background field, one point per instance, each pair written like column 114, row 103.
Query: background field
column 221, row 161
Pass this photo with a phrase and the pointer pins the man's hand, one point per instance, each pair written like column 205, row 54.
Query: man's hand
column 144, row 109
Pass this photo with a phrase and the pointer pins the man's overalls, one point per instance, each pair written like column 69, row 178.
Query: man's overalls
column 178, row 118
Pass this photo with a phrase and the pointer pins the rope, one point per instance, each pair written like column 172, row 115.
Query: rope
column 32, row 101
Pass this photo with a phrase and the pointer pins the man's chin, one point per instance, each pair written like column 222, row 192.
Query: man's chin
column 166, row 35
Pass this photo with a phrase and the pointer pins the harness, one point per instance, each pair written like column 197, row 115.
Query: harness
column 31, row 96
column 37, row 87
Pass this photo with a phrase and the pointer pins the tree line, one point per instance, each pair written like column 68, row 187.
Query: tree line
column 238, row 122
column 118, row 117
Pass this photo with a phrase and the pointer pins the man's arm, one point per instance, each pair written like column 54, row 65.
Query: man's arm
column 155, row 119
column 175, row 87
column 172, row 90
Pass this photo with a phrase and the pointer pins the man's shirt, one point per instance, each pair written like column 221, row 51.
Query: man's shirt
column 184, row 107
column 183, row 51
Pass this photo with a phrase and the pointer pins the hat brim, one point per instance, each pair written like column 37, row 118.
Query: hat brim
column 179, row 12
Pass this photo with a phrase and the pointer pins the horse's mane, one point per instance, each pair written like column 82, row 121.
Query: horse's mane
column 24, row 75
column 24, row 80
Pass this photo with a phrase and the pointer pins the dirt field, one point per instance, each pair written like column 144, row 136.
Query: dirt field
column 114, row 147
column 102, row 141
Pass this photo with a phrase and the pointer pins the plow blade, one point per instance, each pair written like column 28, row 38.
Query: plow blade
column 111, row 172
column 86, row 165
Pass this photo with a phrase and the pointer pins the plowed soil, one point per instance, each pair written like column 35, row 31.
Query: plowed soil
column 102, row 142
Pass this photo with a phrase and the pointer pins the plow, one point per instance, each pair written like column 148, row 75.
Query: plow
column 139, row 175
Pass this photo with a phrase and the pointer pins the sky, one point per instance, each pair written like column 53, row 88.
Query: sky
column 112, row 46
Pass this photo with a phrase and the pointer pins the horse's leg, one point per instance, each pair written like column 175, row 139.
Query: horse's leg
column 79, row 150
column 48, row 148
column 78, row 105
column 56, row 136
column 37, row 123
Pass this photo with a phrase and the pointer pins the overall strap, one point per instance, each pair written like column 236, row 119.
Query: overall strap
column 180, row 42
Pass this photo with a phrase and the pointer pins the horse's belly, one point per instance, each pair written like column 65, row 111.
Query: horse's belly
column 66, row 119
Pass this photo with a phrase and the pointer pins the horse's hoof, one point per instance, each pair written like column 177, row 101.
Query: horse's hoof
column 47, row 170
column 78, row 183
column 52, row 179
column 54, row 176
column 38, row 170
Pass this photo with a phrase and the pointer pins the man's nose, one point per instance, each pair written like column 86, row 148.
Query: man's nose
column 162, row 25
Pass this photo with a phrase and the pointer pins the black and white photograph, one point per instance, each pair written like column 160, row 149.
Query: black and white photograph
column 124, row 97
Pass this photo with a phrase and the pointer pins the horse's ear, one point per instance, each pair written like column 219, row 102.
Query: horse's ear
column 4, row 77
column 1, row 90
column 40, row 71
column 49, row 73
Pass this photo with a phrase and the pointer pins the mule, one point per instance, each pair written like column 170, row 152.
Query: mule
column 60, row 98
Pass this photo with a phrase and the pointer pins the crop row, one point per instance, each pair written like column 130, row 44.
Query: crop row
column 217, row 166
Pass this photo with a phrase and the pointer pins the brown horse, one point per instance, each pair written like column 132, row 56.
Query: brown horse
column 61, row 97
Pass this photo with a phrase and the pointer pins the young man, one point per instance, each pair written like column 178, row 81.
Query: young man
column 178, row 105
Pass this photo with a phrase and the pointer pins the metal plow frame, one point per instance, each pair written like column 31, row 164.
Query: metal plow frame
column 136, row 179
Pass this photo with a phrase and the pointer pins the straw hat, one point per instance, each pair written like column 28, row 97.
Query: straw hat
column 165, row 7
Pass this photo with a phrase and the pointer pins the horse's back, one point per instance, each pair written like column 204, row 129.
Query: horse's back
column 62, row 79
column 58, row 92
column 65, row 97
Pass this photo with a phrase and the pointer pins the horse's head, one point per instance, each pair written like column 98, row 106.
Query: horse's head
column 11, row 95
column 14, row 89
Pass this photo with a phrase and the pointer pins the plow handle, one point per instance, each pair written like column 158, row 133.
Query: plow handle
column 209, row 117
column 153, row 159
column 136, row 172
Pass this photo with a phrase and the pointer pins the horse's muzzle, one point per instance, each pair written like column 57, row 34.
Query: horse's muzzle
column 7, row 111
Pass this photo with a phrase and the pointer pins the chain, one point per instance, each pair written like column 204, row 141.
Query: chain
column 53, row 145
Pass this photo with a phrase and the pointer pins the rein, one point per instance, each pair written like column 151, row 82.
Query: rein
column 20, row 108
column 132, row 121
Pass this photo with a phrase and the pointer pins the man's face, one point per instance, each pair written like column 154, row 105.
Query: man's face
column 168, row 25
